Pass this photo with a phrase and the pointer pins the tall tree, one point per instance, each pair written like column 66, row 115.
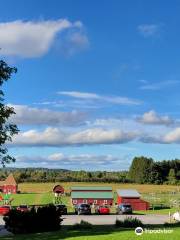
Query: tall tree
column 172, row 176
column 7, row 129
column 140, row 169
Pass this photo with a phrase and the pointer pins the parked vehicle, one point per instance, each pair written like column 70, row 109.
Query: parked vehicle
column 82, row 208
column 102, row 210
column 4, row 209
column 23, row 208
column 124, row 208
column 62, row 209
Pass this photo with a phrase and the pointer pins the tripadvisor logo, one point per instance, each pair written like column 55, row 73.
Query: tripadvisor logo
column 139, row 231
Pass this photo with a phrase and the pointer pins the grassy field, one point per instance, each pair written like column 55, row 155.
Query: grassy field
column 47, row 187
column 96, row 233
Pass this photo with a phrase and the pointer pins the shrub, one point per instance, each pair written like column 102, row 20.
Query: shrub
column 129, row 222
column 82, row 225
column 44, row 219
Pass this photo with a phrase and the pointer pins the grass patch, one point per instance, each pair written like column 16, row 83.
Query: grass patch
column 96, row 233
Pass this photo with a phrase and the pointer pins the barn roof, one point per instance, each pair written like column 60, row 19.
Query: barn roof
column 128, row 193
column 10, row 180
column 91, row 188
column 93, row 195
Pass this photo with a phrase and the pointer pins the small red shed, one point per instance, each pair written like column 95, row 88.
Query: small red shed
column 9, row 185
column 58, row 189
column 132, row 197
column 97, row 195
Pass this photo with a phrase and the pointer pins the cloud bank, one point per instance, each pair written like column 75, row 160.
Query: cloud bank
column 55, row 137
column 28, row 39
column 35, row 116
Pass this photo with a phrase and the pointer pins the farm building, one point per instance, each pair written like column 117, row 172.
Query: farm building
column 58, row 189
column 9, row 185
column 132, row 197
column 92, row 195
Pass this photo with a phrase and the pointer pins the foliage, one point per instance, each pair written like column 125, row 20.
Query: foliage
column 82, row 225
column 140, row 169
column 172, row 176
column 146, row 170
column 41, row 220
column 129, row 222
column 7, row 130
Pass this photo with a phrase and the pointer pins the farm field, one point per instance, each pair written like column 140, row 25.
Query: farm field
column 97, row 232
column 142, row 188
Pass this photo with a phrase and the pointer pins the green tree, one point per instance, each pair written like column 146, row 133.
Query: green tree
column 171, row 176
column 140, row 168
column 7, row 130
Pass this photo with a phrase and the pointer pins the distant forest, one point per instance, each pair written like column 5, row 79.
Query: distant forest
column 142, row 170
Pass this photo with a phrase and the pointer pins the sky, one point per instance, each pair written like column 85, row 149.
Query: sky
column 97, row 83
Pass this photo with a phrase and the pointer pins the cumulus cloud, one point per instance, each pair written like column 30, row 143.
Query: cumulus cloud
column 55, row 137
column 148, row 30
column 29, row 39
column 153, row 118
column 35, row 116
column 59, row 160
column 101, row 98
column 167, row 138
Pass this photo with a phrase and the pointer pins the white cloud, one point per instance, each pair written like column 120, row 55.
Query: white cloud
column 158, row 85
column 148, row 30
column 36, row 116
column 167, row 138
column 54, row 137
column 60, row 160
column 102, row 98
column 173, row 136
column 29, row 39
column 152, row 117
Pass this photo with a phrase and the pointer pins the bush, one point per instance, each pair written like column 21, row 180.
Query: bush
column 129, row 222
column 82, row 225
column 44, row 219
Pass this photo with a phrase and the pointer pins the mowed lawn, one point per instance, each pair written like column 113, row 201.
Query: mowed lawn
column 96, row 233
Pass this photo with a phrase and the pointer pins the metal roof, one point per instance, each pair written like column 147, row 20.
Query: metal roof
column 93, row 195
column 91, row 188
column 128, row 193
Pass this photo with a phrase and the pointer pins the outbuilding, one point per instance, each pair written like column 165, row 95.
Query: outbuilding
column 58, row 189
column 9, row 185
column 94, row 195
column 132, row 197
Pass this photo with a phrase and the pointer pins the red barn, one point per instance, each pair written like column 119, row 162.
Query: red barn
column 9, row 185
column 58, row 189
column 132, row 197
column 92, row 195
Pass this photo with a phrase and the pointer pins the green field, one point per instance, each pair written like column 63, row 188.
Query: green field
column 96, row 233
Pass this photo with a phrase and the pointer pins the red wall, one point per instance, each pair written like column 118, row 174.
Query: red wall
column 91, row 201
column 10, row 188
column 136, row 203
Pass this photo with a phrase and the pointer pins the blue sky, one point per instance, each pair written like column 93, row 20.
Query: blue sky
column 97, row 83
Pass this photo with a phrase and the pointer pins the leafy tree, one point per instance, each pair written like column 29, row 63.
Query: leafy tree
column 140, row 169
column 172, row 176
column 7, row 130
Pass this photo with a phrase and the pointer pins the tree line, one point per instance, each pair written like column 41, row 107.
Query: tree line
column 142, row 170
